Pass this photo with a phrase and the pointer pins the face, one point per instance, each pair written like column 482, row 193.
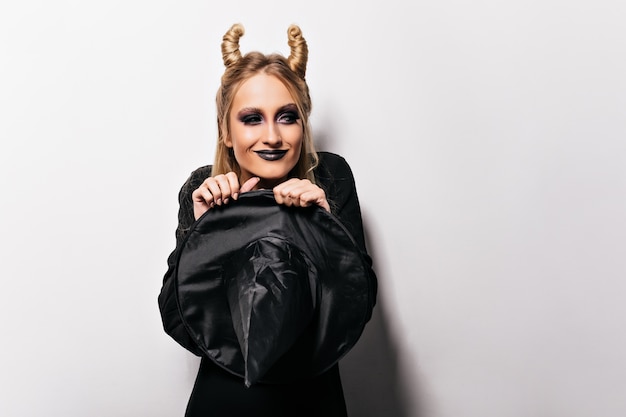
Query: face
column 265, row 130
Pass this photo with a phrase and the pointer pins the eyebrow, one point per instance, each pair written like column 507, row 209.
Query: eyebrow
column 286, row 107
column 290, row 106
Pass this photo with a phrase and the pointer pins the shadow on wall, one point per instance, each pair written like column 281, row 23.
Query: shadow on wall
column 371, row 374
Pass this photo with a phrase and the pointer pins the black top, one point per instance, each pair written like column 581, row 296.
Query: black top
column 216, row 392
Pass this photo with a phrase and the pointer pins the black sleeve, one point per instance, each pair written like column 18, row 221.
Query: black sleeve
column 172, row 321
column 335, row 177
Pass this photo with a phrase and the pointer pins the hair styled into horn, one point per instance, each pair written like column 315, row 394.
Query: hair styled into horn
column 299, row 51
column 298, row 56
column 230, row 45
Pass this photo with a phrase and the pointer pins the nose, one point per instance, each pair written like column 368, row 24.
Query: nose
column 272, row 136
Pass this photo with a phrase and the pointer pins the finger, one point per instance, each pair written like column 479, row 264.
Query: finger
column 249, row 184
column 202, row 201
column 289, row 189
column 202, row 195
column 281, row 193
column 306, row 196
column 289, row 192
column 233, row 185
column 211, row 187
column 315, row 197
column 280, row 199
column 301, row 193
column 220, row 189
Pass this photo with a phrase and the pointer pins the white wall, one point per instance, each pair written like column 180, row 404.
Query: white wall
column 488, row 143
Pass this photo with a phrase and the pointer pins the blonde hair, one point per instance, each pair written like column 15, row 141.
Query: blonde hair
column 290, row 71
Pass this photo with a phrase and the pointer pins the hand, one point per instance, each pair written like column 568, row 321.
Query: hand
column 219, row 190
column 300, row 193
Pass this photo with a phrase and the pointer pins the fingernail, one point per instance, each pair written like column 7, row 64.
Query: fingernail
column 226, row 200
column 219, row 202
column 235, row 196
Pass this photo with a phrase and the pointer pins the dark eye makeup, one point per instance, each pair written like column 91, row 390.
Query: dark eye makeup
column 286, row 115
column 250, row 118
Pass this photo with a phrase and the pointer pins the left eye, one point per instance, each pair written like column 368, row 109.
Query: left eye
column 288, row 117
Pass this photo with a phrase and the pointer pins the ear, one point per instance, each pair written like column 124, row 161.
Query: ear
column 228, row 142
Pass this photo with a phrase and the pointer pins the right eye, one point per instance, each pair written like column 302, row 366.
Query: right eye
column 251, row 119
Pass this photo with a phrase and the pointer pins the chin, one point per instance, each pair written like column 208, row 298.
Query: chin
column 272, row 177
column 274, row 173
column 277, row 178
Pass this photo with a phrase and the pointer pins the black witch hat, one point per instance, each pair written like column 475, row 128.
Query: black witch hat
column 272, row 293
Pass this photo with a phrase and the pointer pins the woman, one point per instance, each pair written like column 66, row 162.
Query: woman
column 264, row 142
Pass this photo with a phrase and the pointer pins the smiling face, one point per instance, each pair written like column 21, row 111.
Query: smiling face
column 265, row 130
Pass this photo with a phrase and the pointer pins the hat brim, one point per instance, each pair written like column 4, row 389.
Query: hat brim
column 344, row 278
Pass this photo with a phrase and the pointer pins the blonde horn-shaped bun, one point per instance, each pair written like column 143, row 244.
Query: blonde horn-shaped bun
column 299, row 51
column 230, row 44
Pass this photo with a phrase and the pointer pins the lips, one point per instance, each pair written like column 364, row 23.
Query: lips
column 271, row 154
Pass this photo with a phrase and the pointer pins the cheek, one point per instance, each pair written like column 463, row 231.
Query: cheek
column 299, row 145
column 242, row 137
column 294, row 135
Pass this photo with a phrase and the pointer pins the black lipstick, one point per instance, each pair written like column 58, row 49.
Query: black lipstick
column 271, row 154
